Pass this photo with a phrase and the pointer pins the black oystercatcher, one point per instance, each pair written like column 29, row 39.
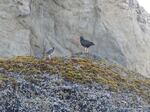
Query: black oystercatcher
column 50, row 52
column 85, row 43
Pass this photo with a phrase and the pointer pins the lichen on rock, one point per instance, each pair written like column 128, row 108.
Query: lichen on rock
column 119, row 29
column 91, row 83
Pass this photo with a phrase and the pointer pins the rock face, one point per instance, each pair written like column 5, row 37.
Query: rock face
column 53, row 93
column 119, row 28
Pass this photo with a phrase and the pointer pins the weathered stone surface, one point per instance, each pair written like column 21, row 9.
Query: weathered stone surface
column 53, row 93
column 119, row 28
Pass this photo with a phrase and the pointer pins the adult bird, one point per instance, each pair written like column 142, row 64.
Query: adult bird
column 50, row 52
column 86, row 43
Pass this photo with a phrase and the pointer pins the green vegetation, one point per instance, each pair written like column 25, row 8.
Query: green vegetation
column 81, row 70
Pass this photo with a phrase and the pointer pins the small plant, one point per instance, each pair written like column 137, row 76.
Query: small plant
column 82, row 70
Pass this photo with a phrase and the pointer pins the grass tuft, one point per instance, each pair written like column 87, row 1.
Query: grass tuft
column 80, row 70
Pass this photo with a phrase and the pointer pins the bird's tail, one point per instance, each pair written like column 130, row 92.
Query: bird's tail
column 93, row 43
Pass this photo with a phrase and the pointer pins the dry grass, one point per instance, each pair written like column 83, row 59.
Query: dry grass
column 80, row 70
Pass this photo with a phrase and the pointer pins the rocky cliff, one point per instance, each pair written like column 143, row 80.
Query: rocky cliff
column 71, row 84
column 119, row 28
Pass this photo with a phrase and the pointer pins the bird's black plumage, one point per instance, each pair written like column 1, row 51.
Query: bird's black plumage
column 85, row 43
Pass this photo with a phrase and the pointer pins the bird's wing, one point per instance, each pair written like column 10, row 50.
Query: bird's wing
column 50, row 51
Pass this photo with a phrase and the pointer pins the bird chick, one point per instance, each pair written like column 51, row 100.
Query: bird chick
column 50, row 52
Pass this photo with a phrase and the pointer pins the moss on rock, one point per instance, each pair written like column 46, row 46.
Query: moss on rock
column 82, row 70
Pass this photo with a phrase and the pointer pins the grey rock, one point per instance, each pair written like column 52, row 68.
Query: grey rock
column 55, row 94
column 120, row 29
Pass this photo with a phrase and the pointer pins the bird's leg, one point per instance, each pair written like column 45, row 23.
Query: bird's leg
column 49, row 56
column 85, row 49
